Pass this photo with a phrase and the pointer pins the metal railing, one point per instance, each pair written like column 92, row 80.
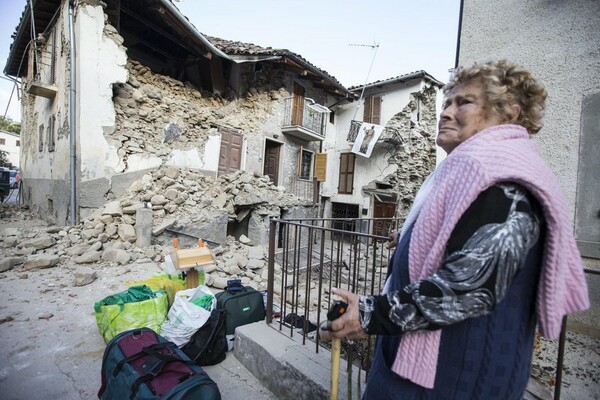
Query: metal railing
column 307, row 116
column 307, row 258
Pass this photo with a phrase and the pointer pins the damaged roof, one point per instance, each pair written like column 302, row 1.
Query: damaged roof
column 242, row 52
column 183, row 41
column 399, row 79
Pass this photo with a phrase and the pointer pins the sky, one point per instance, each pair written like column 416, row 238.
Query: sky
column 337, row 36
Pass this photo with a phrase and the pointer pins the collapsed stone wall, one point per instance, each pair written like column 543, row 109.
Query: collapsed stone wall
column 410, row 135
column 156, row 114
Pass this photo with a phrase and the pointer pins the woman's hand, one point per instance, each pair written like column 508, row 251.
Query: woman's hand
column 393, row 239
column 348, row 325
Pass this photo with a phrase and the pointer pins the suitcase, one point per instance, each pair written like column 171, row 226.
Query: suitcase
column 140, row 364
column 242, row 306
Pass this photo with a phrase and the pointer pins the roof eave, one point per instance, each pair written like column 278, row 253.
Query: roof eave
column 170, row 7
column 404, row 78
column 9, row 68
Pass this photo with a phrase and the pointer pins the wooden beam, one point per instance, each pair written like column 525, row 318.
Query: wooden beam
column 174, row 39
column 152, row 45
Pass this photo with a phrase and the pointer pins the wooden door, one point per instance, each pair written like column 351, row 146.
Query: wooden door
column 271, row 168
column 230, row 156
column 383, row 210
column 298, row 105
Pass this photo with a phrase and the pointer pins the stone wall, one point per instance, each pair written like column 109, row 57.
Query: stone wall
column 410, row 134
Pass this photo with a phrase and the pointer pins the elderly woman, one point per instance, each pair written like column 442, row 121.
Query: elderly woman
column 486, row 252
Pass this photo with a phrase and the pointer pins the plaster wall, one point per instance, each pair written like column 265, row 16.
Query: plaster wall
column 558, row 42
column 45, row 174
column 100, row 63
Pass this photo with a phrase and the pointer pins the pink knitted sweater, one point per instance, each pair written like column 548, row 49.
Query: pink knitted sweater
column 499, row 153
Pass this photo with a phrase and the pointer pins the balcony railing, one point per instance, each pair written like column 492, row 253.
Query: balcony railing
column 304, row 119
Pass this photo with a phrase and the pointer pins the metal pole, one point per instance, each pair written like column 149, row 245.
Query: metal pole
column 559, row 361
column 72, row 142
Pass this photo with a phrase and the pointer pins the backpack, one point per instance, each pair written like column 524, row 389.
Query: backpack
column 140, row 364
column 208, row 345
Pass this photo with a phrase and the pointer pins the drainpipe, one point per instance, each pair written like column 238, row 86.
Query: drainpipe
column 460, row 17
column 72, row 143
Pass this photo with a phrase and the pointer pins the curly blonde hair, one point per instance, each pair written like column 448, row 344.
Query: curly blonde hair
column 506, row 84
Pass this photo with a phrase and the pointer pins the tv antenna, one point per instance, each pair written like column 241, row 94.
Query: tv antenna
column 375, row 47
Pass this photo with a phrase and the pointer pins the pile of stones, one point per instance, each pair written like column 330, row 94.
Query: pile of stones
column 109, row 236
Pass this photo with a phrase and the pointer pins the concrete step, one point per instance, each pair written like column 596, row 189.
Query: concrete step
column 289, row 369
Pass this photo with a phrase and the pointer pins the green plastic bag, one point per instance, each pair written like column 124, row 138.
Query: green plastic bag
column 136, row 307
column 171, row 284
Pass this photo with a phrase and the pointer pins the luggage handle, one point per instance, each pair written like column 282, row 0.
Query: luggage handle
column 150, row 350
column 235, row 285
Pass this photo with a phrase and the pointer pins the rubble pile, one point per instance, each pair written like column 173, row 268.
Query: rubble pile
column 175, row 196
column 156, row 114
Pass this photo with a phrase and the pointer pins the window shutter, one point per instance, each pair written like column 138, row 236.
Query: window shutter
column 367, row 113
column 346, row 179
column 321, row 167
column 376, row 110
column 372, row 113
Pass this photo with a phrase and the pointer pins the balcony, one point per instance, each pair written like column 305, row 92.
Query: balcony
column 304, row 119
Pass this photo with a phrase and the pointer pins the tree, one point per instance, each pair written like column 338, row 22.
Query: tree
column 4, row 162
column 8, row 125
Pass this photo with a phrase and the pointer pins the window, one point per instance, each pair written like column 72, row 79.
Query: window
column 346, row 182
column 341, row 211
column 41, row 138
column 306, row 164
column 2, row 141
column 50, row 134
column 18, row 143
column 372, row 110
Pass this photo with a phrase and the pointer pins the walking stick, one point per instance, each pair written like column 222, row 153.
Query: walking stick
column 336, row 310
column 336, row 349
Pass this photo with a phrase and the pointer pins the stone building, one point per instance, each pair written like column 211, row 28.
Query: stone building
column 115, row 89
column 383, row 184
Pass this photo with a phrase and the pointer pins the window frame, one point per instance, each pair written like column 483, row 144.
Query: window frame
column 301, row 164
